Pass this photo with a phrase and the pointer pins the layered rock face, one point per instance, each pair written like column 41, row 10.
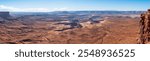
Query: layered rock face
column 145, row 28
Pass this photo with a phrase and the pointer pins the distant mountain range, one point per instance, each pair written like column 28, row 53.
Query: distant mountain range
column 78, row 13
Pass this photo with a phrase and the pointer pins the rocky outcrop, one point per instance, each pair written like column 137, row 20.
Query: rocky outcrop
column 4, row 14
column 6, row 17
column 145, row 28
column 75, row 24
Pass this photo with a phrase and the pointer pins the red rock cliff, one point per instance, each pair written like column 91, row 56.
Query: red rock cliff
column 145, row 28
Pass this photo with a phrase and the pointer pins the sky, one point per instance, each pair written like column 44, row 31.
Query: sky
column 73, row 5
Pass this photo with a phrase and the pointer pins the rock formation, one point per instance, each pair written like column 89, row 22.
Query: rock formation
column 75, row 24
column 4, row 14
column 145, row 28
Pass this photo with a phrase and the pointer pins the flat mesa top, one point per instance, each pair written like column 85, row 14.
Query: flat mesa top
column 3, row 12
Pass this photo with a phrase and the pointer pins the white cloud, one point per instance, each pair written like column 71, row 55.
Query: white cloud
column 60, row 9
column 6, row 8
column 13, row 9
column 36, row 10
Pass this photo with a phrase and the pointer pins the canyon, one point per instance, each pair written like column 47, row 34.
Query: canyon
column 70, row 27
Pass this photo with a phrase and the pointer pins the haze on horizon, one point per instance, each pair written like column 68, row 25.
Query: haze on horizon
column 72, row 5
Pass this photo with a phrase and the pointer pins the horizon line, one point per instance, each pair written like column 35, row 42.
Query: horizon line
column 72, row 10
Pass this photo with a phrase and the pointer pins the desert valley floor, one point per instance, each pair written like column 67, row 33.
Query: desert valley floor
column 114, row 30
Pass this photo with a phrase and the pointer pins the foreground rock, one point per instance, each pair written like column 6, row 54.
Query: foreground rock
column 145, row 28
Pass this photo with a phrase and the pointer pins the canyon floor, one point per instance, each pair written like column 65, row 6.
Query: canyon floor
column 115, row 30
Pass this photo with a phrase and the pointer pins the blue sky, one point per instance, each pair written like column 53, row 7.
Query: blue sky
column 73, row 5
